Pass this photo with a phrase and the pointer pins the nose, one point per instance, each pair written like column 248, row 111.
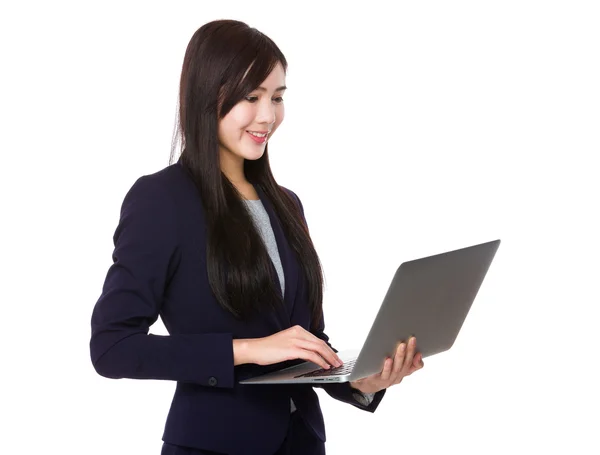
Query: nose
column 266, row 113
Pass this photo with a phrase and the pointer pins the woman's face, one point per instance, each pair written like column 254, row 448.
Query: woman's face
column 260, row 112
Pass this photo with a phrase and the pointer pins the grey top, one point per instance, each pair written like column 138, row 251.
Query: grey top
column 263, row 225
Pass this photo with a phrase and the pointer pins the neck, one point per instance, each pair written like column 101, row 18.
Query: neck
column 233, row 168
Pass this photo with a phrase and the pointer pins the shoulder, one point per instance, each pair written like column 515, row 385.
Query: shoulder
column 155, row 193
column 164, row 184
column 164, row 181
column 294, row 196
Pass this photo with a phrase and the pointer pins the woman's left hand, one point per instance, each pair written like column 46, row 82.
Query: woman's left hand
column 404, row 363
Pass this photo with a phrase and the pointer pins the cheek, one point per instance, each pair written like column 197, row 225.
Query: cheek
column 279, row 116
column 241, row 117
column 226, row 130
column 236, row 121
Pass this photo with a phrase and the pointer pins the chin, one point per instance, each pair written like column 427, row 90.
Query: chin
column 253, row 156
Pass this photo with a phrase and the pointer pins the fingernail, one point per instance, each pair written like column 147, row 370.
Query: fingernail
column 402, row 346
column 413, row 340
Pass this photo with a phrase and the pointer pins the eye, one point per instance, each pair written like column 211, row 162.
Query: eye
column 253, row 99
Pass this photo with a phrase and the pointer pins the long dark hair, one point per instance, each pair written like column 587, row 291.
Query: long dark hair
column 213, row 81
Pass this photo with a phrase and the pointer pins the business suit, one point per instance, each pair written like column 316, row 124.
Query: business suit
column 160, row 270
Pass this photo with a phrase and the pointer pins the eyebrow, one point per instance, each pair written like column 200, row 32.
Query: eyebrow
column 278, row 89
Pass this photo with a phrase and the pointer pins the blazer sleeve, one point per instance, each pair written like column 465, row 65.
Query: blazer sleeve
column 146, row 255
column 341, row 391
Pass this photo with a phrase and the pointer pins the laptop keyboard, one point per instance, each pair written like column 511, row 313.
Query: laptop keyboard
column 337, row 371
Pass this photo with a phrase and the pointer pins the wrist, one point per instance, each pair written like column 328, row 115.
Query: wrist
column 241, row 351
column 355, row 386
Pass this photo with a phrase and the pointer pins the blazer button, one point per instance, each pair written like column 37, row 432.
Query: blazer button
column 212, row 381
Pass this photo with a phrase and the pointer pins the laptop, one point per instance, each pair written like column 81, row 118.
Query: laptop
column 428, row 297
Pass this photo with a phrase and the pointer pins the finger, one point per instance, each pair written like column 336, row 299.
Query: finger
column 398, row 362
column 329, row 353
column 413, row 369
column 387, row 369
column 311, row 356
column 318, row 348
column 417, row 360
column 326, row 350
column 418, row 365
column 410, row 353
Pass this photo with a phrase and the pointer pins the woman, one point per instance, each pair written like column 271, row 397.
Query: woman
column 222, row 253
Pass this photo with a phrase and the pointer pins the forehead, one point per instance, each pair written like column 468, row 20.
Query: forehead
column 275, row 79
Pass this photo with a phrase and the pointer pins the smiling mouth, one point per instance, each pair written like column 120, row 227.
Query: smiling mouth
column 259, row 134
column 258, row 138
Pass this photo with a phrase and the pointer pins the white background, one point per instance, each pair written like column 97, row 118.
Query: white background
column 410, row 130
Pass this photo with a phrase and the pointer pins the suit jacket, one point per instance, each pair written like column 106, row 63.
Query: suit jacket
column 160, row 269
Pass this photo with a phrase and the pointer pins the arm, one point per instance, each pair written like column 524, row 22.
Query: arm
column 342, row 391
column 146, row 256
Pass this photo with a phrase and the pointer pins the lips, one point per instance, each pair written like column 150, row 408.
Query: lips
column 258, row 140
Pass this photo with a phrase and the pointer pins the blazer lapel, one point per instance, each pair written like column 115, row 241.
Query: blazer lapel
column 287, row 255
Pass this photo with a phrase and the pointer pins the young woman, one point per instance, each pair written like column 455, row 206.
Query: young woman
column 222, row 253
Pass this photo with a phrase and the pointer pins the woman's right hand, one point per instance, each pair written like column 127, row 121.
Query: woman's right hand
column 289, row 344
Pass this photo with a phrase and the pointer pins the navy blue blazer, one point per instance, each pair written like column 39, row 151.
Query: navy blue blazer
column 159, row 269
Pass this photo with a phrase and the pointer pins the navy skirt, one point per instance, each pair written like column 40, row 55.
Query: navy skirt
column 298, row 441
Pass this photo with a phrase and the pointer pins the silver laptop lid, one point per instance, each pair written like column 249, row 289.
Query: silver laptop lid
column 428, row 298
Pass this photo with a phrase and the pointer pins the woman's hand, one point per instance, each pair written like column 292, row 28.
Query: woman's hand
column 290, row 344
column 404, row 363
